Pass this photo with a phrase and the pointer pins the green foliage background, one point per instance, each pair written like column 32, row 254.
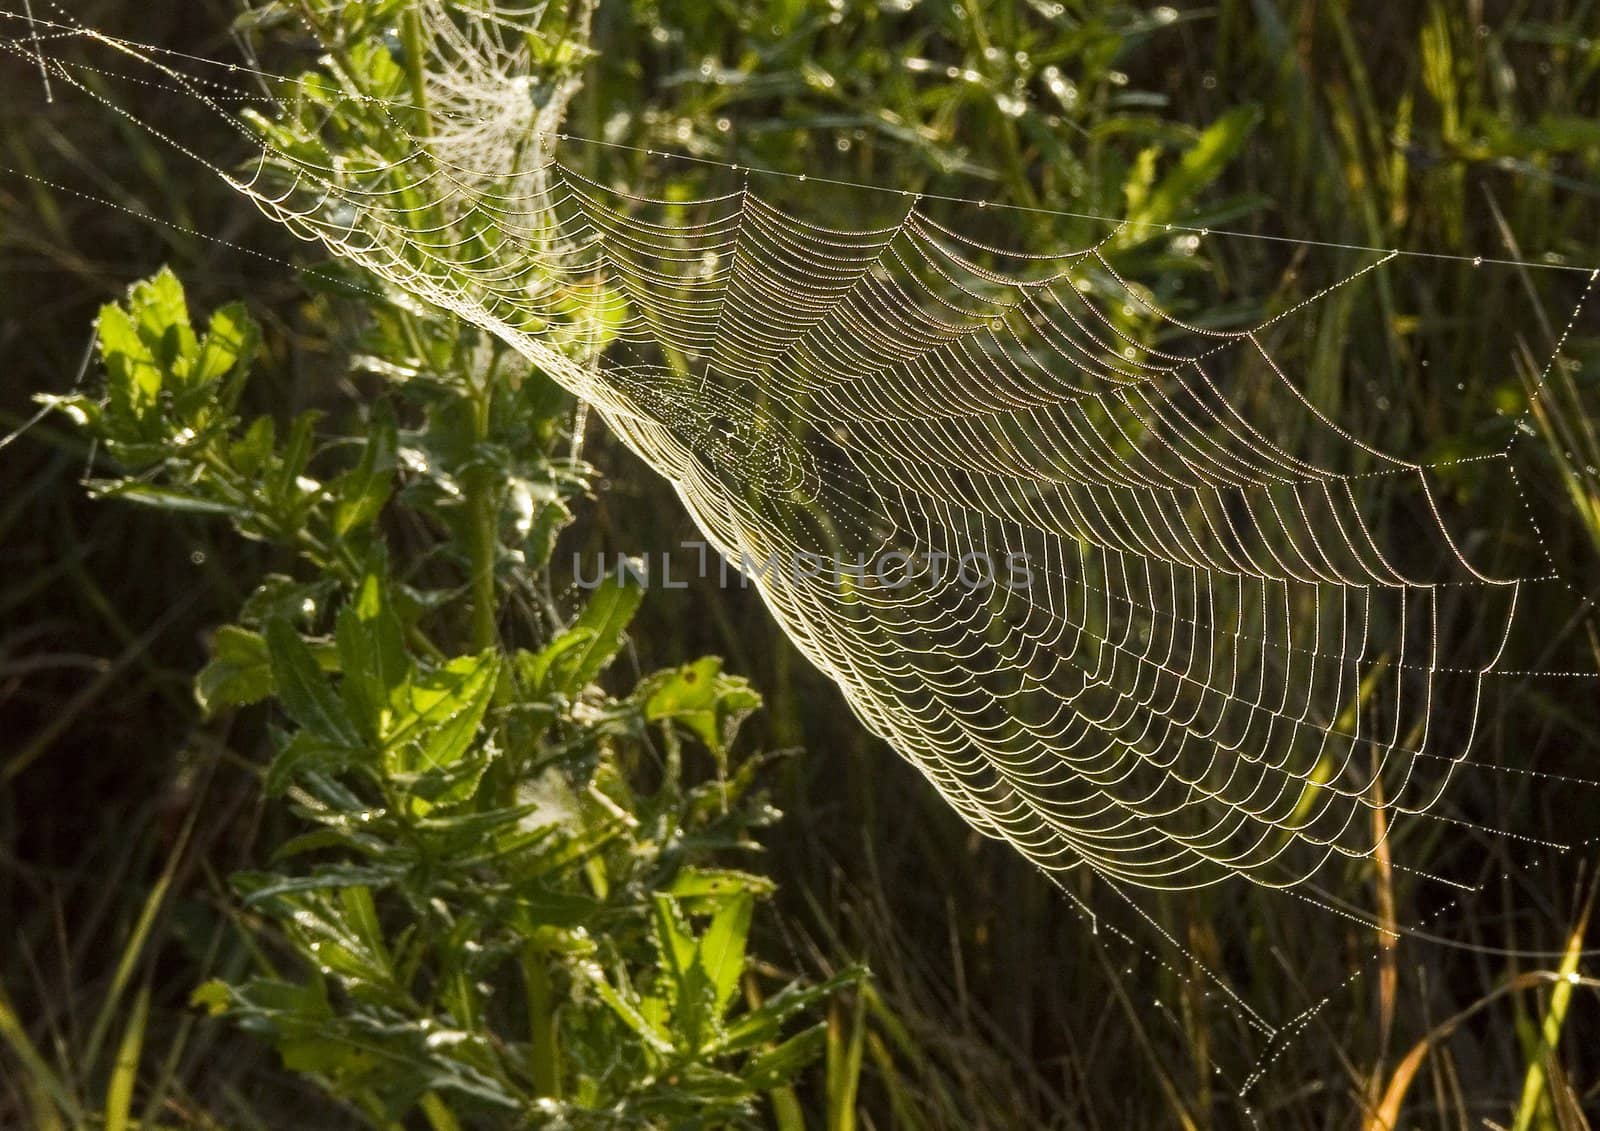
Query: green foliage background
column 1459, row 127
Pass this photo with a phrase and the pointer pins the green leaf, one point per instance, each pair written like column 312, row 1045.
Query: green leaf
column 161, row 498
column 285, row 486
column 844, row 1067
column 1136, row 187
column 229, row 347
column 701, row 699
column 372, row 654
column 143, row 345
column 534, row 668
column 761, row 1026
column 714, row 884
column 213, row 996
column 441, row 714
column 133, row 374
column 1200, row 164
column 161, row 317
column 357, row 919
column 307, row 752
column 258, row 888
column 240, row 670
column 549, row 907
column 781, row 1065
column 469, row 701
column 251, row 454
column 325, row 1056
column 359, row 494
column 283, row 597
column 625, row 1004
column 675, row 942
column 320, row 839
column 680, row 958
column 722, row 947
column 446, row 785
column 573, row 659
column 446, row 708
column 305, row 693
column 540, row 542
column 163, row 399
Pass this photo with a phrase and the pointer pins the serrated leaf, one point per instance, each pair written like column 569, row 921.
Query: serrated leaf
column 240, row 670
column 264, row 888
column 779, row 1066
column 161, row 316
column 449, row 707
column 701, row 699
column 760, row 1026
column 359, row 494
column 252, row 453
column 715, row 883
column 302, row 688
column 371, row 647
column 283, row 597
column 540, row 542
column 307, row 752
column 534, row 668
column 133, row 374
column 721, row 950
column 572, row 660
column 679, row 958
column 446, row 785
column 161, row 498
column 228, row 347
column 626, row 1007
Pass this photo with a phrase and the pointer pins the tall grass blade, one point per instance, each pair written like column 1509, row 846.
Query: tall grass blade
column 125, row 1073
column 40, row 1079
column 845, row 1048
column 1535, row 1082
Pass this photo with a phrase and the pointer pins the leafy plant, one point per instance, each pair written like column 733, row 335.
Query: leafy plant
column 509, row 898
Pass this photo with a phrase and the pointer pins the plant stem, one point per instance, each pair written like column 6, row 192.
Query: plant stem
column 482, row 532
column 411, row 37
column 542, row 1033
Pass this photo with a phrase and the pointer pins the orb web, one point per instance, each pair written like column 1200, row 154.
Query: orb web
column 1027, row 520
column 1000, row 497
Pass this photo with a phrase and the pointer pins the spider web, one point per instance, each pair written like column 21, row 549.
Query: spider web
column 1012, row 507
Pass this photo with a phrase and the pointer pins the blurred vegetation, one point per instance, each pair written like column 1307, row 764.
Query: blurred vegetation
column 1463, row 127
